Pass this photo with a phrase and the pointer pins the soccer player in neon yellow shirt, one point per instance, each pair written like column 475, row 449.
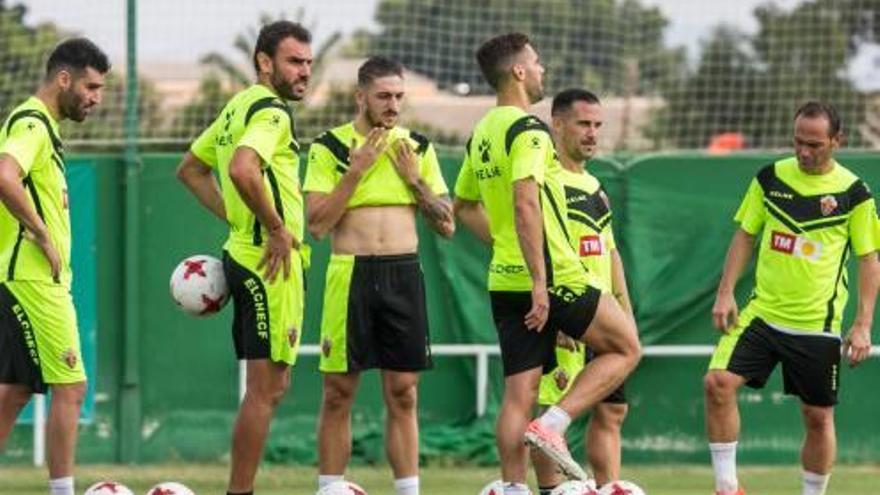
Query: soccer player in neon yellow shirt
column 509, row 193
column 576, row 123
column 366, row 181
column 807, row 213
column 252, row 147
column 39, row 338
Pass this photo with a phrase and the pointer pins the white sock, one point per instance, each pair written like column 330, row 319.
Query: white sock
column 326, row 479
column 407, row 486
column 61, row 486
column 815, row 484
column 724, row 464
column 511, row 488
column 556, row 419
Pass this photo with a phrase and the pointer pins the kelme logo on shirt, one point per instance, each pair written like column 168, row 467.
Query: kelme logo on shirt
column 591, row 245
column 794, row 245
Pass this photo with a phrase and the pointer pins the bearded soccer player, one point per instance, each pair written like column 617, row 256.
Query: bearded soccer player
column 365, row 182
column 576, row 122
column 509, row 193
column 807, row 212
column 39, row 338
column 252, row 147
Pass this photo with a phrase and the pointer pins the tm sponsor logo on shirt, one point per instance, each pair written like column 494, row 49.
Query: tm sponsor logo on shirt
column 795, row 245
column 591, row 245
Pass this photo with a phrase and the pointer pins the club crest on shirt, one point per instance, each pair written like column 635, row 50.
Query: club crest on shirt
column 326, row 347
column 292, row 336
column 561, row 379
column 828, row 204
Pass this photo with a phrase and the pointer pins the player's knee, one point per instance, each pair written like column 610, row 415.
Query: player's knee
column 402, row 398
column 610, row 416
column 818, row 419
column 73, row 394
column 718, row 388
column 337, row 398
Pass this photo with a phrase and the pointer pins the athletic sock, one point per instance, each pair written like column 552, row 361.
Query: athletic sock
column 724, row 465
column 326, row 479
column 407, row 486
column 815, row 484
column 61, row 486
column 555, row 419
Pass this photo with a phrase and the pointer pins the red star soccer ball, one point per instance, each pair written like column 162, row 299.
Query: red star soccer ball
column 108, row 488
column 621, row 488
column 198, row 285
column 170, row 488
column 575, row 487
column 493, row 488
column 342, row 488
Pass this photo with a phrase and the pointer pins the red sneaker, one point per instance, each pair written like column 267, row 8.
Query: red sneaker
column 552, row 444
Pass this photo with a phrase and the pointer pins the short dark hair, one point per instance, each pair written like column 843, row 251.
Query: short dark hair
column 495, row 54
column 271, row 35
column 567, row 98
column 77, row 54
column 376, row 67
column 816, row 108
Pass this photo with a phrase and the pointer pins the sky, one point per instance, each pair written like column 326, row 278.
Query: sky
column 168, row 34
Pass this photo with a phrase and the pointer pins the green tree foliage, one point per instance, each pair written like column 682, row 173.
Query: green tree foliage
column 581, row 42
column 753, row 84
column 22, row 55
column 23, row 52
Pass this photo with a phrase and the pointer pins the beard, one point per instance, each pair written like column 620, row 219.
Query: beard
column 71, row 106
column 535, row 93
column 378, row 120
column 284, row 88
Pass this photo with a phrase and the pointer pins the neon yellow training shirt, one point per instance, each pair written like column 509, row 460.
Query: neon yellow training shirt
column 30, row 135
column 808, row 224
column 508, row 145
column 589, row 225
column 258, row 119
column 380, row 184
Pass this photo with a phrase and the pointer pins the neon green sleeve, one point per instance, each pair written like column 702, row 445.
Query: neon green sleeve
column 752, row 213
column 321, row 173
column 864, row 228
column 268, row 129
column 529, row 154
column 204, row 147
column 26, row 142
column 466, row 184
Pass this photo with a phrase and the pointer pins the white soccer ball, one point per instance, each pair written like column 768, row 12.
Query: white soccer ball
column 170, row 488
column 342, row 488
column 493, row 488
column 621, row 487
column 575, row 487
column 108, row 488
column 198, row 285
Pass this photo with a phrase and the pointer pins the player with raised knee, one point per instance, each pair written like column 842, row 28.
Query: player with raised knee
column 576, row 120
column 510, row 194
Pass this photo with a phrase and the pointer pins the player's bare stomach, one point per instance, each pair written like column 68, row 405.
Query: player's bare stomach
column 376, row 231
